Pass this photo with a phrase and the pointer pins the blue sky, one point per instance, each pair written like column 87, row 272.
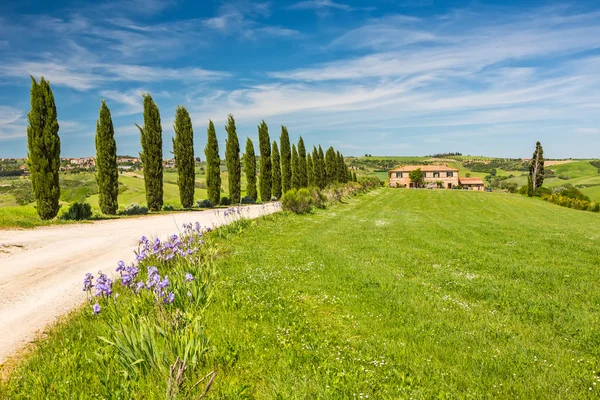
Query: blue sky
column 386, row 77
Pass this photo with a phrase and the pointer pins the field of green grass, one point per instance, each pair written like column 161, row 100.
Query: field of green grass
column 395, row 294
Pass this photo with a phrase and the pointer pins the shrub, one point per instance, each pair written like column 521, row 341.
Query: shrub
column 225, row 201
column 273, row 198
column 134, row 209
column 78, row 211
column 319, row 199
column 297, row 201
column 168, row 207
column 205, row 203
column 248, row 200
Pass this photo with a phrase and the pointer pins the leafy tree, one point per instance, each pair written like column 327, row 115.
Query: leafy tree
column 183, row 149
column 266, row 173
column 276, row 163
column 232, row 157
column 309, row 171
column 331, row 166
column 107, row 172
column 416, row 177
column 286, row 160
column 250, row 169
column 536, row 167
column 43, row 144
column 213, row 165
column 295, row 168
column 152, row 160
column 302, row 167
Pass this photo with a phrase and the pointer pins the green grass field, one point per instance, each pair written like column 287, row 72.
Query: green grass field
column 396, row 294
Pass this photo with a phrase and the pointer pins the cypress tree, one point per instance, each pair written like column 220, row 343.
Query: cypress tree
column 276, row 162
column 309, row 171
column 341, row 168
column 295, row 168
column 354, row 179
column 302, row 168
column 213, row 165
column 536, row 167
column 183, row 149
column 322, row 173
column 331, row 163
column 266, row 174
column 43, row 144
column 286, row 160
column 151, row 155
column 107, row 172
column 232, row 157
column 250, row 169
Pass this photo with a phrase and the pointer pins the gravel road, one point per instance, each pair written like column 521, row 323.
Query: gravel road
column 42, row 270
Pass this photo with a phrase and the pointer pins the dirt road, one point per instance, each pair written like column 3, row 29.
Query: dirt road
column 41, row 270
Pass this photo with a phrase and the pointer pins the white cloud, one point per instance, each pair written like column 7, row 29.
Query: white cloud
column 319, row 4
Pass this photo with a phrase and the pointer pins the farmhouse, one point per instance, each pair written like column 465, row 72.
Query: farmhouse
column 434, row 176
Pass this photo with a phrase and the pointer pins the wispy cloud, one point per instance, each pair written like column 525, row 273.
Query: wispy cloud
column 318, row 5
column 12, row 123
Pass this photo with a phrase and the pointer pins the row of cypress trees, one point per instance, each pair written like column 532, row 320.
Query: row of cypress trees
column 281, row 167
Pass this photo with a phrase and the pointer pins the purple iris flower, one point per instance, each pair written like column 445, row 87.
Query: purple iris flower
column 96, row 309
column 139, row 286
column 169, row 298
column 87, row 282
column 189, row 277
column 121, row 266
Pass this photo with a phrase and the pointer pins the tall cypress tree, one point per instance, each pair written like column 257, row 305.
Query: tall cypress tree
column 286, row 160
column 213, row 165
column 331, row 163
column 276, row 163
column 183, row 148
column 319, row 168
column 152, row 160
column 342, row 173
column 295, row 168
column 354, row 178
column 43, row 145
column 107, row 172
column 536, row 167
column 266, row 175
column 302, row 169
column 250, row 170
column 232, row 157
column 309, row 171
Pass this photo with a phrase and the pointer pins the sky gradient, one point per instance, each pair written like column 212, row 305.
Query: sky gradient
column 383, row 77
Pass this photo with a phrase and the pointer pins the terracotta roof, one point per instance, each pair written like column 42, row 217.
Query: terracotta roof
column 471, row 181
column 424, row 168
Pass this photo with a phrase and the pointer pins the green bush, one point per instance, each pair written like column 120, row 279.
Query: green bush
column 248, row 200
column 78, row 211
column 168, row 207
column 297, row 201
column 225, row 201
column 319, row 199
column 134, row 209
column 205, row 203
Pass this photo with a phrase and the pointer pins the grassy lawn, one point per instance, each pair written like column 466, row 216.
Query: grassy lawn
column 397, row 294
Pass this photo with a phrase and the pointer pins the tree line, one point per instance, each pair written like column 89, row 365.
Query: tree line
column 280, row 167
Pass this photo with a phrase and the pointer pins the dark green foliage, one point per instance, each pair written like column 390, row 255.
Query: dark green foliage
column 266, row 173
column 309, row 171
column 536, row 167
column 248, row 200
column 151, row 155
column 276, row 163
column 43, row 146
column 302, row 164
column 213, row 165
column 250, row 170
column 183, row 149
column 354, row 176
column 342, row 173
column 416, row 177
column 78, row 212
column 331, row 166
column 286, row 160
column 107, row 173
column 297, row 201
column 225, row 201
column 232, row 158
column 596, row 163
column 530, row 190
column 295, row 168
column 205, row 204
column 320, row 175
column 134, row 209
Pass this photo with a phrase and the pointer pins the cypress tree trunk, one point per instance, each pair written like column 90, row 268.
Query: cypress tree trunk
column 330, row 166
column 213, row 165
column 309, row 171
column 295, row 168
column 276, row 163
column 250, row 169
column 536, row 167
column 43, row 145
column 107, row 173
column 286, row 160
column 266, row 175
column 183, row 148
column 302, row 168
column 152, row 160
column 232, row 157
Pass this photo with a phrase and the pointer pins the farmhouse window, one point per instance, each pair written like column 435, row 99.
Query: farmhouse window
column 398, row 174
column 449, row 174
column 436, row 174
